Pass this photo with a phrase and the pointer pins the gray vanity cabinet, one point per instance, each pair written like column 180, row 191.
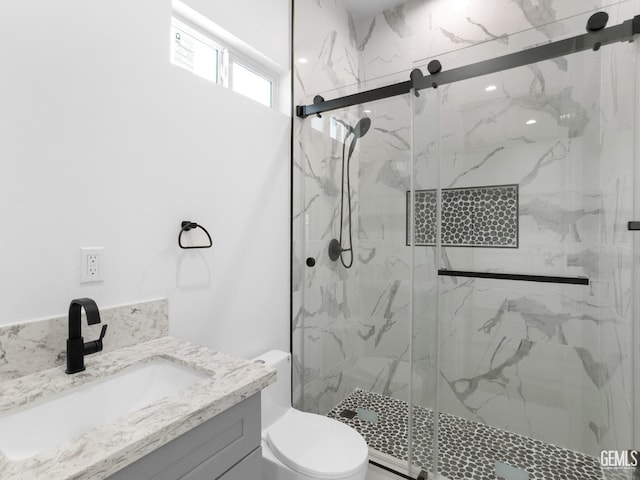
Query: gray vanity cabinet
column 227, row 447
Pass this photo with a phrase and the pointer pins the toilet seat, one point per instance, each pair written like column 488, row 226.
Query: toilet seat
column 317, row 446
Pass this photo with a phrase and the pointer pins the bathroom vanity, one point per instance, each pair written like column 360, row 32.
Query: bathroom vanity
column 227, row 447
column 208, row 426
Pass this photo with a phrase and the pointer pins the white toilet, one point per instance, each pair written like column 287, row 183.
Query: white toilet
column 305, row 446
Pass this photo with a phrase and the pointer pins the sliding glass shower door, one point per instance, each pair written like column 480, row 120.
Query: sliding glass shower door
column 352, row 322
column 524, row 183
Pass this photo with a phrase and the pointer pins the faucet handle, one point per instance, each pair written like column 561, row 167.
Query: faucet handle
column 95, row 345
column 103, row 332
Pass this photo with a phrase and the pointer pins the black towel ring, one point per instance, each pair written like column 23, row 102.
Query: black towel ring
column 188, row 225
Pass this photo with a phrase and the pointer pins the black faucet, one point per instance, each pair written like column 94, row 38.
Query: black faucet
column 76, row 348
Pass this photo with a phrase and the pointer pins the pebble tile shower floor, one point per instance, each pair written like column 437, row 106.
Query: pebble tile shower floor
column 467, row 450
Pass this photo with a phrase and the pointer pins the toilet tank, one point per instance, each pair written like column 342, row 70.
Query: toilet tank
column 276, row 398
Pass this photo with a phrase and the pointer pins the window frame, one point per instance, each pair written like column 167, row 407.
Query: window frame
column 257, row 69
column 201, row 35
column 226, row 57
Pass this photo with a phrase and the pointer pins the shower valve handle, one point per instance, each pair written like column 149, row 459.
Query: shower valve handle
column 335, row 249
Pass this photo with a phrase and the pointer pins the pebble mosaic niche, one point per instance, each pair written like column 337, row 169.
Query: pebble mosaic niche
column 466, row 449
column 471, row 217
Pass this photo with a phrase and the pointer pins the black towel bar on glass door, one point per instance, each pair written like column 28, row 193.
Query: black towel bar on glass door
column 188, row 225
column 516, row 276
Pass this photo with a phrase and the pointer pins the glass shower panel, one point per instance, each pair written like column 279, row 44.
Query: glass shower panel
column 324, row 307
column 423, row 212
column 352, row 326
column 535, row 177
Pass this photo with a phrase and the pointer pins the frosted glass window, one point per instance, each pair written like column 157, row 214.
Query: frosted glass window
column 251, row 84
column 192, row 51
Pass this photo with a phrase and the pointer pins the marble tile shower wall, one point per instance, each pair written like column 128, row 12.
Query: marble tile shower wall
column 545, row 361
column 392, row 42
column 575, row 198
column 324, row 296
column 548, row 362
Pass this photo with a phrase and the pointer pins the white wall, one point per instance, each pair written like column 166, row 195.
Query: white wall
column 254, row 22
column 104, row 143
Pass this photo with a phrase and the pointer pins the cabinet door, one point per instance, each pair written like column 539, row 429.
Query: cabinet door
column 209, row 450
column 248, row 469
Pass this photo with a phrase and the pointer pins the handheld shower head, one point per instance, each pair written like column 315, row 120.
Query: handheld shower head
column 362, row 127
column 359, row 130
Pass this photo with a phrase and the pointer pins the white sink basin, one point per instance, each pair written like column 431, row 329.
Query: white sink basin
column 42, row 425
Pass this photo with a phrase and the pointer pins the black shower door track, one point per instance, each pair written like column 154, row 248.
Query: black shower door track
column 625, row 31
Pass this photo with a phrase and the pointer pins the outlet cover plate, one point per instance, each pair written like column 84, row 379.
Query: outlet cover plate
column 91, row 264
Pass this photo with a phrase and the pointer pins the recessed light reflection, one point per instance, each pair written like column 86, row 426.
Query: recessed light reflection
column 302, row 60
column 531, row 122
column 367, row 111
column 491, row 88
column 459, row 5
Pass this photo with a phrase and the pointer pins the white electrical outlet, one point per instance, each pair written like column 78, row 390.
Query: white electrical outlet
column 91, row 264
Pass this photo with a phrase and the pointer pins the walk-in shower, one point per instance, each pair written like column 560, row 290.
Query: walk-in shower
column 486, row 326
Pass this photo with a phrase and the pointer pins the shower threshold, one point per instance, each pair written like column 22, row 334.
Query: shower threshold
column 467, row 449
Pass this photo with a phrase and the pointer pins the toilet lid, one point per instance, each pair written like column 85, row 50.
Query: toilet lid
column 317, row 446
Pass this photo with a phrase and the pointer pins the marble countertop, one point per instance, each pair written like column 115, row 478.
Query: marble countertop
column 108, row 448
